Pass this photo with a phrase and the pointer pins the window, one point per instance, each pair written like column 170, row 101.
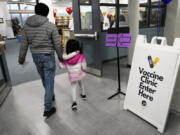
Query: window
column 109, row 13
column 13, row 7
column 26, row 7
column 123, row 1
column 108, row 1
column 85, row 1
column 86, row 17
column 30, row 7
column 143, row 19
column 143, row 2
column 108, row 17
column 18, row 17
column 156, row 2
column 24, row 18
column 2, row 77
column 19, row 14
column 152, row 13
column 23, row 7
column 123, row 17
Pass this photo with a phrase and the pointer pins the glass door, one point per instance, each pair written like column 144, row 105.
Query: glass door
column 86, row 14
column 5, row 83
column 2, row 77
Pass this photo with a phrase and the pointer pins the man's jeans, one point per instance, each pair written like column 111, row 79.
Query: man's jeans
column 45, row 64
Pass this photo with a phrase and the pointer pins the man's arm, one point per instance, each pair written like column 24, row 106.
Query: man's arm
column 56, row 41
column 23, row 49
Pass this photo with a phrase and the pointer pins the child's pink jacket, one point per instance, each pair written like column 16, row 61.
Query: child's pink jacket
column 75, row 63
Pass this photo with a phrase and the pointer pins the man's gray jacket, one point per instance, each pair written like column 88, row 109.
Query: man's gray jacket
column 41, row 35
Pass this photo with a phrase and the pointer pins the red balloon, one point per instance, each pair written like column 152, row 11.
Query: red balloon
column 55, row 12
column 109, row 15
column 69, row 10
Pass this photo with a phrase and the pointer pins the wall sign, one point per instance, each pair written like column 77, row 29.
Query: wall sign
column 152, row 80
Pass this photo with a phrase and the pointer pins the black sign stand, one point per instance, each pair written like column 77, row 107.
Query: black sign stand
column 116, row 31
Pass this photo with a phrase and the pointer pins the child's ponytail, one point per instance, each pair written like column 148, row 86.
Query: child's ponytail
column 73, row 46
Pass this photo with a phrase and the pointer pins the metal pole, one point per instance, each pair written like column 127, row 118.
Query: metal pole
column 118, row 60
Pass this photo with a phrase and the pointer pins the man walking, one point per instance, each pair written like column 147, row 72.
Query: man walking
column 43, row 38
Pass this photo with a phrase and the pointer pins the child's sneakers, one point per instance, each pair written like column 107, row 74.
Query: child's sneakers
column 83, row 97
column 74, row 106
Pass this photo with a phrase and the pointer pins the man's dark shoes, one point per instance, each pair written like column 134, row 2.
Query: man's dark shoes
column 47, row 114
column 53, row 99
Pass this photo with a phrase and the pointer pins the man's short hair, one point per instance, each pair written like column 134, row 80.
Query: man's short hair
column 42, row 9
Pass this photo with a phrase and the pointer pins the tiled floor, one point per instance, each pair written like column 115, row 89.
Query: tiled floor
column 21, row 114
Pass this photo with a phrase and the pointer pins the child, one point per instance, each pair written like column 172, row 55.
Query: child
column 75, row 63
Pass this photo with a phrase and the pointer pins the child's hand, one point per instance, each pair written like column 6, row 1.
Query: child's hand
column 61, row 65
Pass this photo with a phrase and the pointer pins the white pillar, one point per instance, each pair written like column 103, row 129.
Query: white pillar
column 172, row 18
column 50, row 5
column 133, row 9
column 5, row 27
column 172, row 31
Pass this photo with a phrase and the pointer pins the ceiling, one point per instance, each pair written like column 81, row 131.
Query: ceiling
column 62, row 3
column 21, row 0
column 58, row 2
column 54, row 1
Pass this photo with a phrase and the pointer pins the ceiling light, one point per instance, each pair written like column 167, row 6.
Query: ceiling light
column 32, row 1
column 15, row 0
column 53, row 1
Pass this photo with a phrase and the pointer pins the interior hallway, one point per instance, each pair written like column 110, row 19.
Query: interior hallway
column 22, row 112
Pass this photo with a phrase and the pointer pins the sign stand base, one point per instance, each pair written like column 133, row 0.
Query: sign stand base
column 125, row 31
column 117, row 93
column 119, row 84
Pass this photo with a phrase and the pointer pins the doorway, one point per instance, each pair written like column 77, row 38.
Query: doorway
column 92, row 20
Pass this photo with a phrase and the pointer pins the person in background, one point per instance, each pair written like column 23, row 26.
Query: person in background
column 75, row 63
column 61, row 36
column 71, row 24
column 43, row 38
column 112, row 21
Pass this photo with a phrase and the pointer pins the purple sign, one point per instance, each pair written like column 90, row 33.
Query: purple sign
column 124, row 40
column 111, row 39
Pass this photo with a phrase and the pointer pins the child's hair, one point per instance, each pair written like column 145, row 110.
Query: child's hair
column 72, row 46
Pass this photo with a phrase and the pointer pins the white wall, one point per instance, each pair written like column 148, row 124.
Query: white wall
column 176, row 98
column 172, row 31
column 171, row 20
column 177, row 26
column 5, row 28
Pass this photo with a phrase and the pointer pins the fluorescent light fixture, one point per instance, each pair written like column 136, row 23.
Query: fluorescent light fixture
column 53, row 1
column 15, row 0
column 32, row 1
